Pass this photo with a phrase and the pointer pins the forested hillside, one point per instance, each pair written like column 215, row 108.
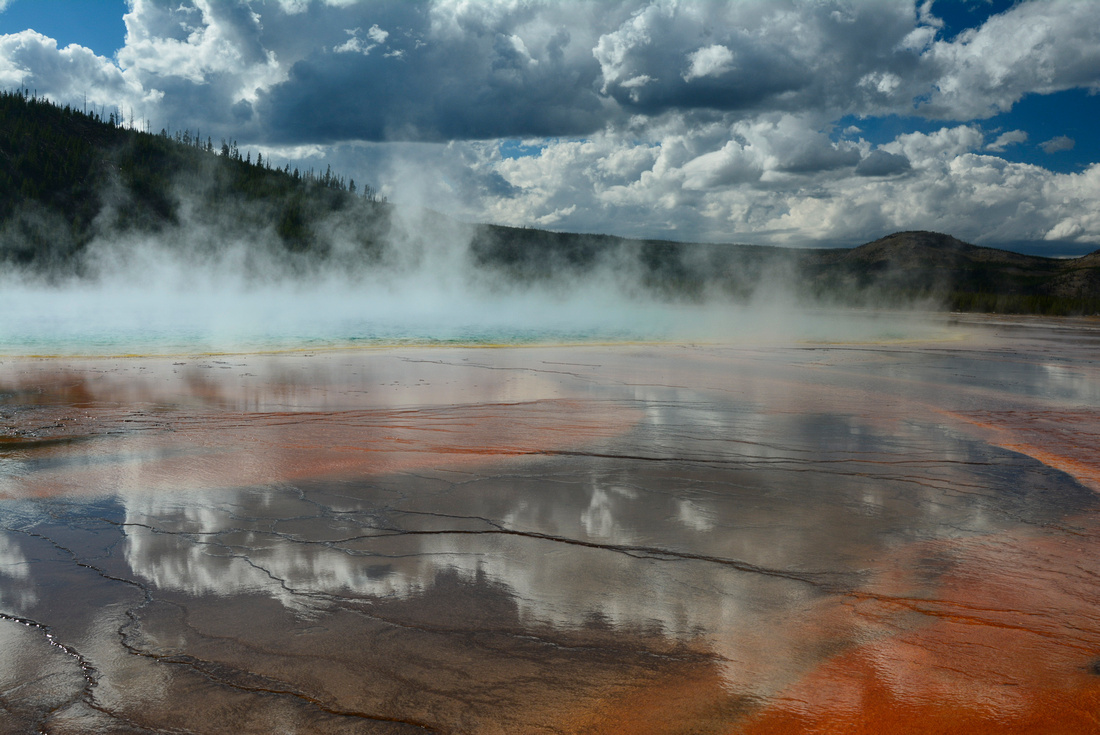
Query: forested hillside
column 68, row 176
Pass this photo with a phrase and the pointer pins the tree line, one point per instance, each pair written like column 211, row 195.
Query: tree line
column 61, row 166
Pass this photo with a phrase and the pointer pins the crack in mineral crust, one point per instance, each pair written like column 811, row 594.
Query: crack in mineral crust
column 684, row 500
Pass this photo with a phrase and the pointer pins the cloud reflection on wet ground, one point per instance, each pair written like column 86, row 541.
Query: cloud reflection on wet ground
column 844, row 538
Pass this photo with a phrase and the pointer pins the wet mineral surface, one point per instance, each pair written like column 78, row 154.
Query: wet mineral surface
column 750, row 538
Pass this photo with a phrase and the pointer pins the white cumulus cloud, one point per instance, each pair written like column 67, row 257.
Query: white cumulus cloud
column 709, row 61
column 1004, row 140
column 1060, row 143
column 717, row 121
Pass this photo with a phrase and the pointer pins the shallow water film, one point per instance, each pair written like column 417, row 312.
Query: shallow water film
column 747, row 538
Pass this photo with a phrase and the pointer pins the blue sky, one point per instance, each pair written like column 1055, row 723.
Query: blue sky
column 1070, row 114
column 96, row 24
column 785, row 122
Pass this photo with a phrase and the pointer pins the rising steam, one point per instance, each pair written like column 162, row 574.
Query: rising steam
column 212, row 284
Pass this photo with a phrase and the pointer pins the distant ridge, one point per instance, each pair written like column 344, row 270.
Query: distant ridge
column 964, row 276
column 920, row 247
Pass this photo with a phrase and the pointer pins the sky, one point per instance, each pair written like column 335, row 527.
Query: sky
column 777, row 122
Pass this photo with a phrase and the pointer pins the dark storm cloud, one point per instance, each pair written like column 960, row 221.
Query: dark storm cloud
column 755, row 56
column 819, row 159
column 882, row 163
column 478, row 79
column 491, row 70
column 427, row 95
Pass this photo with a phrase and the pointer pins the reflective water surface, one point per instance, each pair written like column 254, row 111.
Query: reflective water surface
column 748, row 538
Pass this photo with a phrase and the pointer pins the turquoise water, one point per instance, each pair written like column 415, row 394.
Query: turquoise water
column 77, row 322
column 135, row 320
column 65, row 339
